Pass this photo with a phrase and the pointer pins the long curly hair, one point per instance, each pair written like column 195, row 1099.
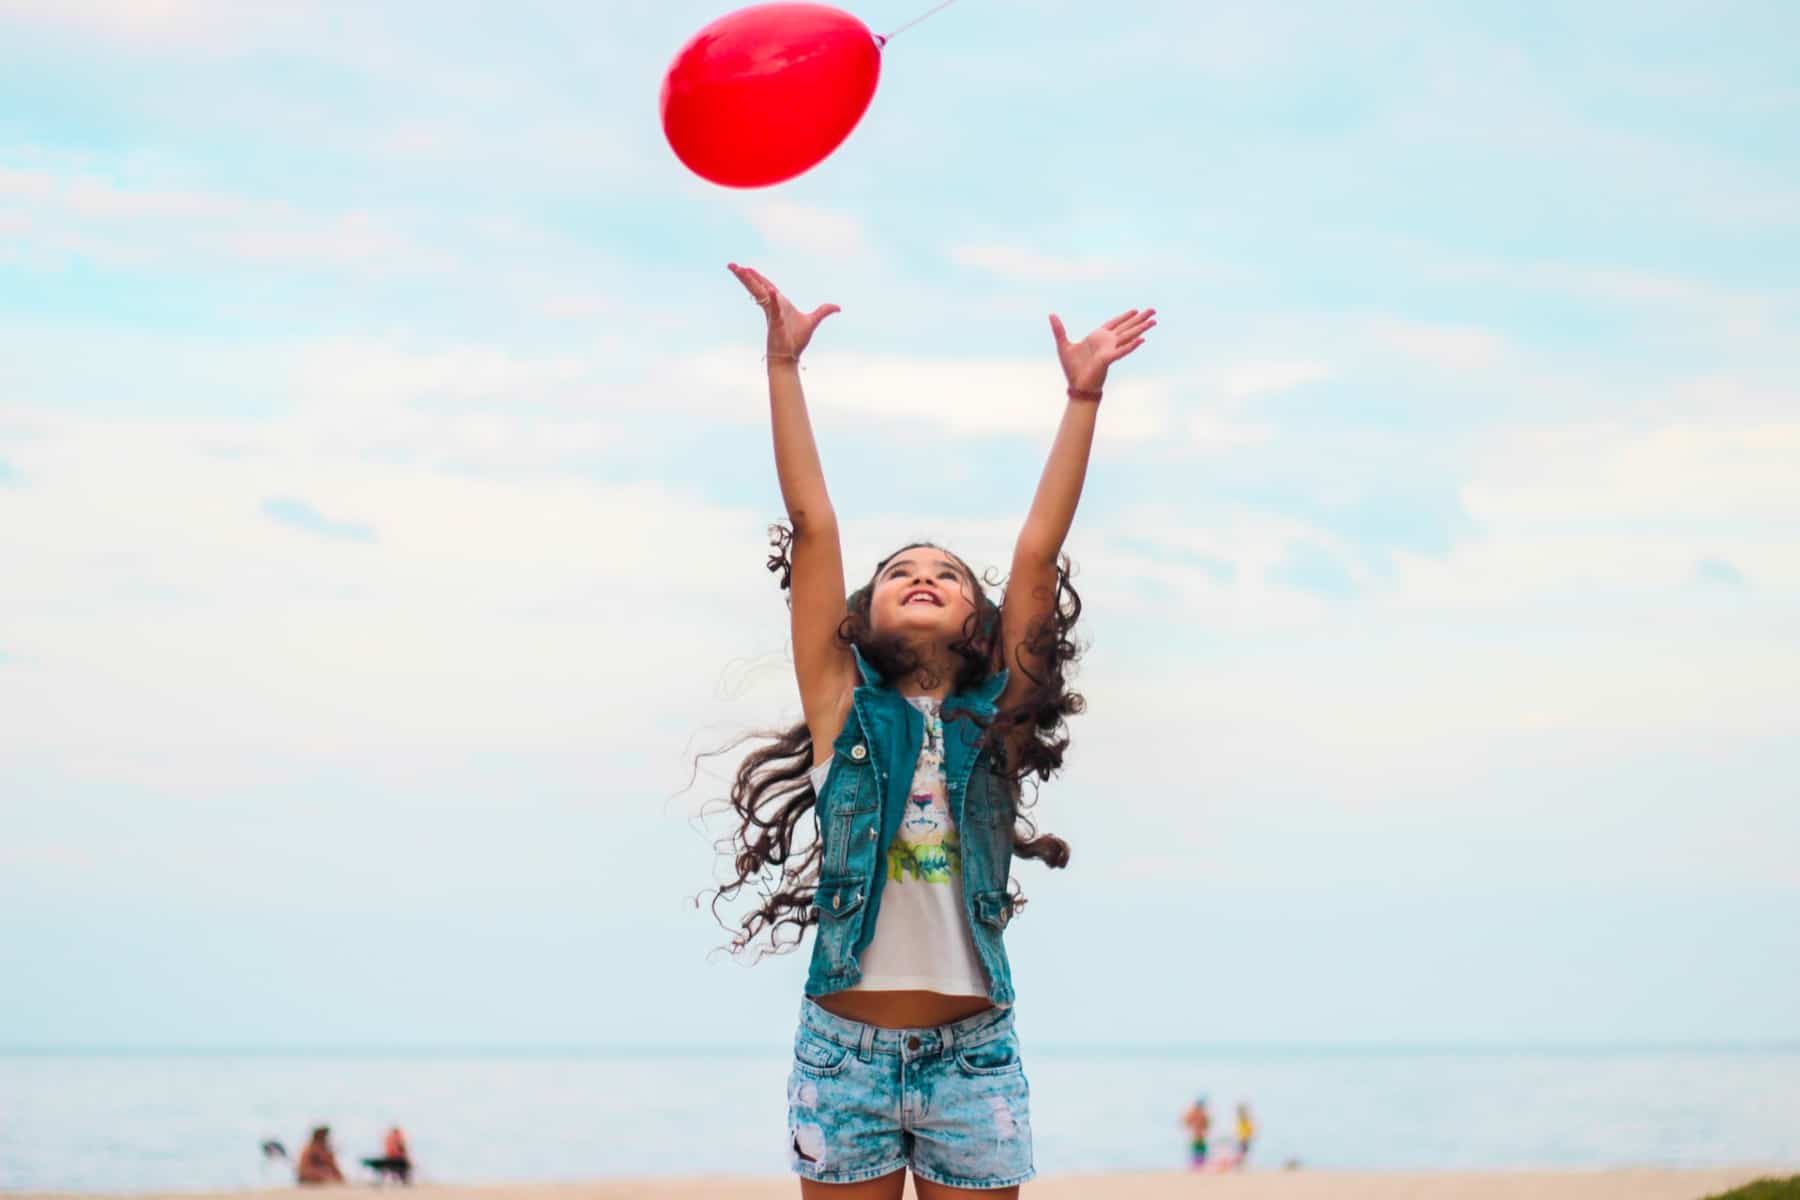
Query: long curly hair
column 772, row 794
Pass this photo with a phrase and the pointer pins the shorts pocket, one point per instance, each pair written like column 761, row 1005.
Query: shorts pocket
column 998, row 1057
column 820, row 1059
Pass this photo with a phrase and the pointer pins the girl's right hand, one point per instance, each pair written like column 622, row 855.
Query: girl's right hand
column 789, row 329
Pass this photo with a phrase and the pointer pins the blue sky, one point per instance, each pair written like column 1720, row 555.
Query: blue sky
column 383, row 478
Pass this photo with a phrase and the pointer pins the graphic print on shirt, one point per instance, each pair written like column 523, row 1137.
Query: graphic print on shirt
column 927, row 846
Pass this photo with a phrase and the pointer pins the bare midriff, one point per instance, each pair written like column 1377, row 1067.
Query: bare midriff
column 902, row 1010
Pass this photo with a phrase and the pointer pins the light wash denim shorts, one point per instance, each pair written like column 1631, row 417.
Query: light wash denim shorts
column 950, row 1102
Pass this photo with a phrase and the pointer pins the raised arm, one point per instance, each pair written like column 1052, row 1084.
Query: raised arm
column 822, row 665
column 1031, row 588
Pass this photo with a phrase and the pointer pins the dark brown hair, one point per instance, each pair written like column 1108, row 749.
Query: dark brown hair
column 772, row 794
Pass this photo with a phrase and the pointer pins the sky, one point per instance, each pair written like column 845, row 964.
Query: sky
column 384, row 482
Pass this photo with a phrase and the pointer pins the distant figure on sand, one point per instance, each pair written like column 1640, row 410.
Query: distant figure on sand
column 394, row 1160
column 1198, row 1123
column 317, row 1162
column 274, row 1158
column 1246, row 1133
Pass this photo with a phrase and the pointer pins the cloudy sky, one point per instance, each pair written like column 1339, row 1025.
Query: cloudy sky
column 383, row 479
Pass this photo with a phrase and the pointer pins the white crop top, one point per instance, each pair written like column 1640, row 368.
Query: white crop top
column 922, row 940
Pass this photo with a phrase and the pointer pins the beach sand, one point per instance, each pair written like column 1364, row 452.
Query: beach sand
column 1253, row 1185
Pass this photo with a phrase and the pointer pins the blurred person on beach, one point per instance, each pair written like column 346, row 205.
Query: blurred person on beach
column 1199, row 1124
column 1246, row 1132
column 890, row 815
column 274, row 1157
column 394, row 1146
column 317, row 1162
column 395, row 1159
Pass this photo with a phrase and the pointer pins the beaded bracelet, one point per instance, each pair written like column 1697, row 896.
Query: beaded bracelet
column 1093, row 394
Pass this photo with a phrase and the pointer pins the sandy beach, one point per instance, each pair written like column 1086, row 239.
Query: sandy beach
column 1269, row 1185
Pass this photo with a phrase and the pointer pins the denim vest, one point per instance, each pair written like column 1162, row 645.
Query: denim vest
column 860, row 812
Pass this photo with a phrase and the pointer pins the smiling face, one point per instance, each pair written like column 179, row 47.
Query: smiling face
column 924, row 593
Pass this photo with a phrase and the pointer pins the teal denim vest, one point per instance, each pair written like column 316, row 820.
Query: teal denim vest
column 861, row 809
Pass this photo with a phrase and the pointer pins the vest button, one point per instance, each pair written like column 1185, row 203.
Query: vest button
column 837, row 901
column 859, row 752
column 874, row 835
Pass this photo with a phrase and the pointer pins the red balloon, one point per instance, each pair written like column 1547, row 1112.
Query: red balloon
column 764, row 93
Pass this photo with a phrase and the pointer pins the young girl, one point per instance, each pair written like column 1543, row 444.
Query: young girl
column 925, row 705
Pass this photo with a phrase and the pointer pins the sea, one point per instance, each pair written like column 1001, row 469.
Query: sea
column 125, row 1122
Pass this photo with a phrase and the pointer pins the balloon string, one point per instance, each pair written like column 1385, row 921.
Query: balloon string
column 922, row 16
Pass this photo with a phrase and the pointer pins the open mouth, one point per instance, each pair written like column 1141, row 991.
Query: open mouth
column 921, row 596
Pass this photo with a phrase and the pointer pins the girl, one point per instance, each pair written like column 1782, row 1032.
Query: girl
column 925, row 705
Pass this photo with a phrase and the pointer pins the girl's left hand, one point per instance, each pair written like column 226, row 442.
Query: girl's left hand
column 1084, row 363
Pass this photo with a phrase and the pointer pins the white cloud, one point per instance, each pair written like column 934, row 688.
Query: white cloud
column 1743, row 474
column 1602, row 528
column 1226, row 391
column 1212, row 433
column 804, row 229
column 1449, row 347
column 75, row 212
column 164, row 612
column 355, row 371
column 49, row 858
column 963, row 396
column 199, row 25
column 1030, row 266
column 1737, row 312
column 1245, row 380
column 167, row 621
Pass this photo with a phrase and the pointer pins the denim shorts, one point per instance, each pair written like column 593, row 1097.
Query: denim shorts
column 950, row 1102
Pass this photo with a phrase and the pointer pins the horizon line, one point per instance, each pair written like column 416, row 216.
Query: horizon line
column 746, row 1049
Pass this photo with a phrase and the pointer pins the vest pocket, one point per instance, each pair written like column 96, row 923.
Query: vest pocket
column 836, row 902
column 993, row 908
column 839, row 898
column 859, row 794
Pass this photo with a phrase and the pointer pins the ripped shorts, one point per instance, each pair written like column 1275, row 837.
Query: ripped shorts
column 951, row 1102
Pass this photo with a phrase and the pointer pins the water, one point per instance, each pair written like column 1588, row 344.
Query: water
column 95, row 1122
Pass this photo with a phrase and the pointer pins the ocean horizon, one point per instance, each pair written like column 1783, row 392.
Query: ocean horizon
column 124, row 1119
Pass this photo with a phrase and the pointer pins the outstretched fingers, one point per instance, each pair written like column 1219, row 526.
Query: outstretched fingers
column 1122, row 348
column 760, row 289
column 1130, row 324
column 1134, row 330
